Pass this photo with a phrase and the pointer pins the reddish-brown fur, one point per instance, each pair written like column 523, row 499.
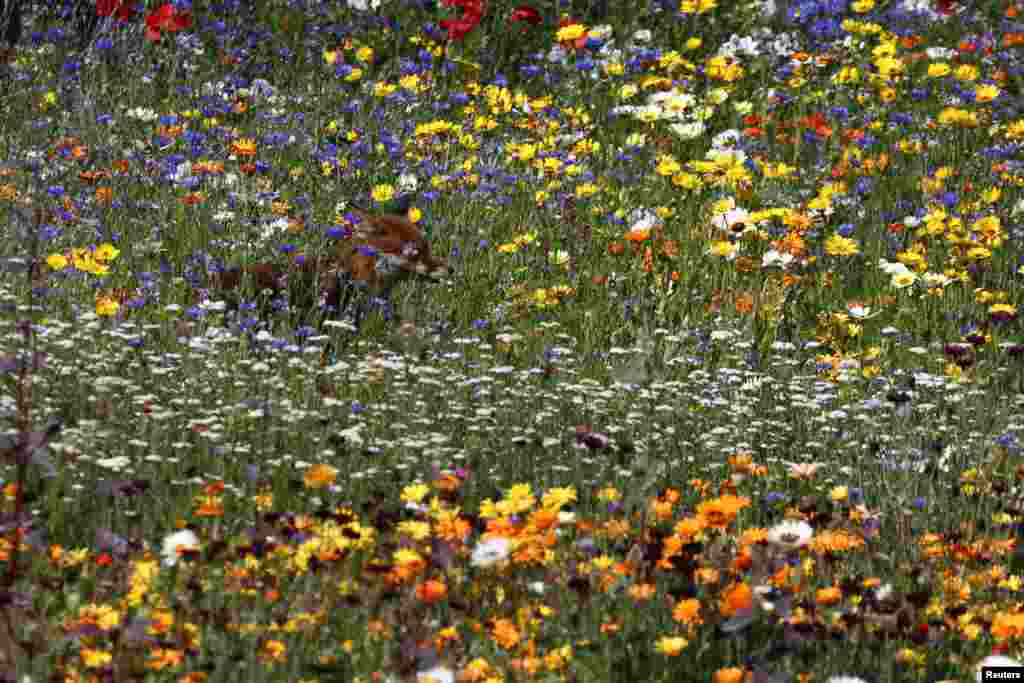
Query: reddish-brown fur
column 381, row 252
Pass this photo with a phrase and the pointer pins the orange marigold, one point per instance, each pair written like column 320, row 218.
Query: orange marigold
column 431, row 591
column 689, row 527
column 720, row 512
column 505, row 633
column 1007, row 625
column 688, row 612
column 835, row 541
column 829, row 596
column 735, row 598
column 732, row 674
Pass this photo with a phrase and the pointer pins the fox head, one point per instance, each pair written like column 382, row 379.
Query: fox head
column 384, row 250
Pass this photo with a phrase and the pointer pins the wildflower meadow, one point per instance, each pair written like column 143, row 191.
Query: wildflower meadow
column 723, row 380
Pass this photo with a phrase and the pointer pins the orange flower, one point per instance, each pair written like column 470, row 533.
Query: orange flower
column 743, row 561
column 706, row 575
column 736, row 597
column 689, row 527
column 1007, row 625
column 610, row 627
column 448, row 483
column 319, row 476
column 662, row 510
column 452, row 529
column 720, row 512
column 504, row 633
column 742, row 462
column 780, row 578
column 835, row 541
column 687, row 612
column 637, row 235
column 730, row 675
column 431, row 591
column 744, row 303
column 273, row 651
column 542, row 519
column 642, row 591
column 829, row 596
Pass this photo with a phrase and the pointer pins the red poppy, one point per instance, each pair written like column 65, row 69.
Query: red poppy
column 472, row 13
column 525, row 13
column 166, row 18
column 119, row 9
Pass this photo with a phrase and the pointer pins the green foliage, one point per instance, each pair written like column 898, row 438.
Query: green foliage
column 699, row 345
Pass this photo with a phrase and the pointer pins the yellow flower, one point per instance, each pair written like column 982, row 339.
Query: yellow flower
column 273, row 651
column 95, row 659
column 383, row 193
column 570, row 32
column 521, row 497
column 557, row 497
column 967, row 72
column 102, row 616
column 724, row 69
column 723, row 248
column 697, row 6
column 671, row 645
column 986, row 93
column 414, row 493
column 106, row 306
column 846, row 74
column 837, row 245
column 106, row 252
column 57, row 261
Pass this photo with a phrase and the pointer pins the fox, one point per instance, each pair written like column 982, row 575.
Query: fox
column 382, row 251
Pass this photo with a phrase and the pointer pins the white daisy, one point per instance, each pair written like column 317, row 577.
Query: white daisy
column 438, row 674
column 790, row 534
column 490, row 552
column 184, row 539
